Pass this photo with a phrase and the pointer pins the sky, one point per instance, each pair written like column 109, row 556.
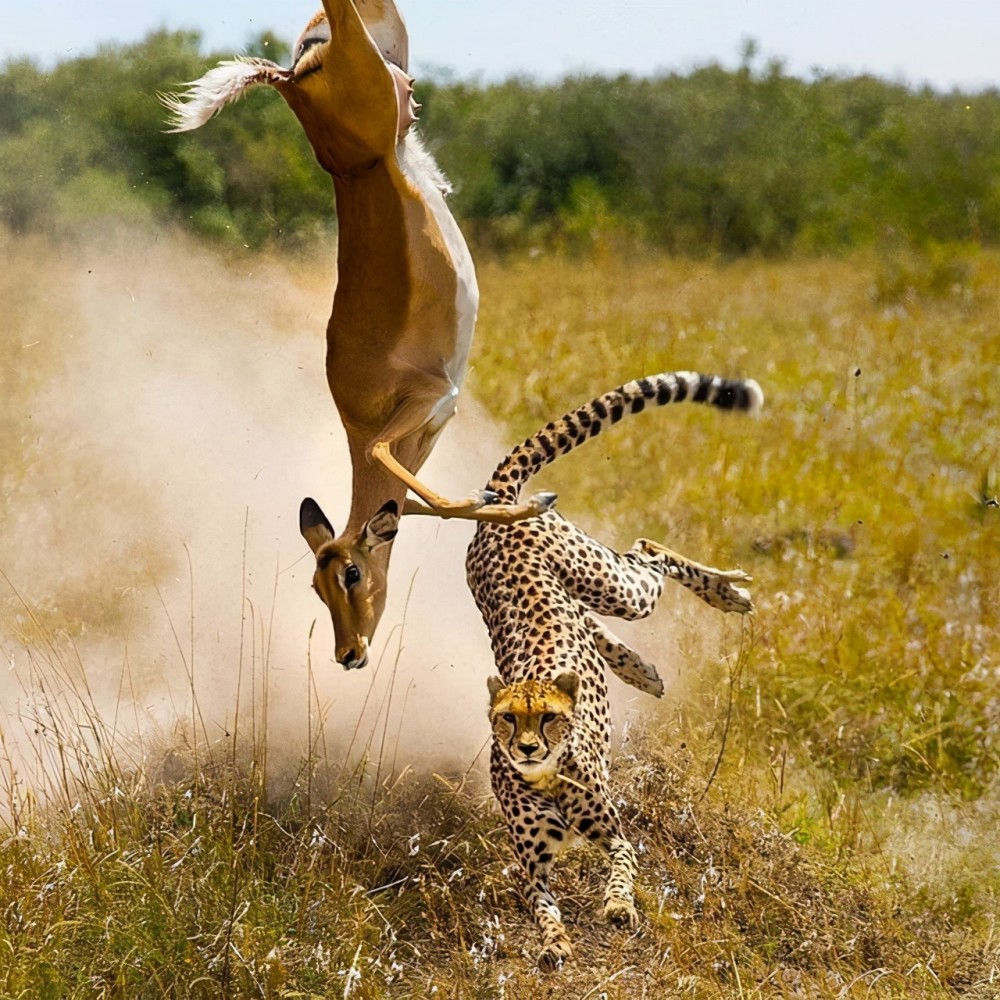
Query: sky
column 946, row 43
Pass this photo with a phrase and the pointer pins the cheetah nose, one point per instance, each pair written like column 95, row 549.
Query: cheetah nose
column 528, row 749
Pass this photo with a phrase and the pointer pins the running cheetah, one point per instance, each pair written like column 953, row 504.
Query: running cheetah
column 538, row 585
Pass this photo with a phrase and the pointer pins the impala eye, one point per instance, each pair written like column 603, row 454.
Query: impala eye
column 306, row 45
column 352, row 576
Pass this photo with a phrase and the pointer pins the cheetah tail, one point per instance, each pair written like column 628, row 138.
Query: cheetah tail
column 558, row 437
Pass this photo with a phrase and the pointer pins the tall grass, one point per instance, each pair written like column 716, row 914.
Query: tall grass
column 150, row 863
column 863, row 502
column 814, row 801
column 171, row 869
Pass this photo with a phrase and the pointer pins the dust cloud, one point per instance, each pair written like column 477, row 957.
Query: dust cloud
column 169, row 412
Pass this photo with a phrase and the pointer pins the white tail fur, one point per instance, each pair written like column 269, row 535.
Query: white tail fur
column 206, row 97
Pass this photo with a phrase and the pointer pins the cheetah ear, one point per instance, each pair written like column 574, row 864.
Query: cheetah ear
column 495, row 685
column 569, row 683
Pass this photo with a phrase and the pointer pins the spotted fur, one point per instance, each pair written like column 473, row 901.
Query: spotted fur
column 539, row 585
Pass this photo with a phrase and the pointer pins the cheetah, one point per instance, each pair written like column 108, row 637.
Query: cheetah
column 538, row 585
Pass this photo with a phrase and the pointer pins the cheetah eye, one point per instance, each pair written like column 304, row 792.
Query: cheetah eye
column 548, row 717
column 508, row 717
column 352, row 576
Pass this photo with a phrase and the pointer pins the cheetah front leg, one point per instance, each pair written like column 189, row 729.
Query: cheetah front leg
column 595, row 818
column 556, row 948
column 619, row 894
column 537, row 830
column 716, row 587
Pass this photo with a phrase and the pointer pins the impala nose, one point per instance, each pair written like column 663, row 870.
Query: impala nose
column 353, row 657
column 352, row 661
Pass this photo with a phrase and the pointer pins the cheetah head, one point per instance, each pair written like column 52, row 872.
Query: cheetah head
column 532, row 722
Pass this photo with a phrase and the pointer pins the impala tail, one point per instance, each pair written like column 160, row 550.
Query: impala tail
column 204, row 98
column 558, row 437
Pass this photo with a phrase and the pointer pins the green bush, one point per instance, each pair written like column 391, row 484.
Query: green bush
column 715, row 161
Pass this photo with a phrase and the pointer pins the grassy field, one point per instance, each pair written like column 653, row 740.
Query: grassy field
column 815, row 799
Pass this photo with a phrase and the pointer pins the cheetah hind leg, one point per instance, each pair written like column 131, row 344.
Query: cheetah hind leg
column 716, row 587
column 625, row 662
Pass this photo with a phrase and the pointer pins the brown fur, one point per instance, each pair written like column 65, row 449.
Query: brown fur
column 405, row 305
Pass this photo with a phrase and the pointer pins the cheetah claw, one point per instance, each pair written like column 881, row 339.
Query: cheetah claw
column 621, row 913
column 552, row 957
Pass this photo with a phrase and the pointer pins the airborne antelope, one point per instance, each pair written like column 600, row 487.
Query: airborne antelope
column 405, row 305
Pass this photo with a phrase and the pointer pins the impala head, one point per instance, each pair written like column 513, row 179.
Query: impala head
column 350, row 576
column 350, row 92
column 347, row 84
column 532, row 722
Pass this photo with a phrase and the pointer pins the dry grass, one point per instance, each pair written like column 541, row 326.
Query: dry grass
column 842, row 847
column 864, row 500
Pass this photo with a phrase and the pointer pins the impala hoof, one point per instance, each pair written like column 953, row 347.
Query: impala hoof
column 489, row 497
column 541, row 502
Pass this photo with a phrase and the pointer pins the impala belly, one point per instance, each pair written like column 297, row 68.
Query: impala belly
column 421, row 171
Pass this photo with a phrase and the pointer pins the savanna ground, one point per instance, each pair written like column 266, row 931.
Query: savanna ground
column 196, row 802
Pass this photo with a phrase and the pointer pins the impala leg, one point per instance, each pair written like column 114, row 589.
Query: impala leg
column 500, row 513
column 412, row 430
column 381, row 452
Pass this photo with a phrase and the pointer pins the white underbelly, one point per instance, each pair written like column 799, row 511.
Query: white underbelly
column 420, row 168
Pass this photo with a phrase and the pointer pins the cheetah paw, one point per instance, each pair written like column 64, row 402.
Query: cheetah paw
column 621, row 913
column 554, row 955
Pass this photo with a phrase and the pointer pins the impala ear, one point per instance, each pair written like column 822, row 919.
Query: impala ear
column 494, row 685
column 315, row 528
column 569, row 683
column 381, row 527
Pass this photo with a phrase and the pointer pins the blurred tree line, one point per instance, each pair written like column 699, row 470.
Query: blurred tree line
column 716, row 161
